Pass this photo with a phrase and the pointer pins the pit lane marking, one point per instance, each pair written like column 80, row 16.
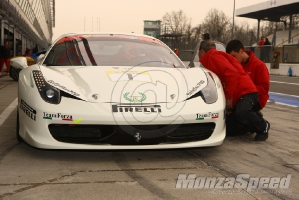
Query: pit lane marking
column 284, row 99
column 5, row 114
column 285, row 83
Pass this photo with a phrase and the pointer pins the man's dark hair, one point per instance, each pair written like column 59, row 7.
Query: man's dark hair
column 234, row 45
column 206, row 36
column 206, row 45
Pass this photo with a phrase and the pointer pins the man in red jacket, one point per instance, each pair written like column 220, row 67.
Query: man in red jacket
column 5, row 57
column 240, row 92
column 255, row 68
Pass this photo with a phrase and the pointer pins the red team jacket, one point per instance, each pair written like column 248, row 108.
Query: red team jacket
column 259, row 75
column 235, row 81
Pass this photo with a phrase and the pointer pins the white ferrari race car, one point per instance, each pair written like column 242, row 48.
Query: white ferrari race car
column 117, row 91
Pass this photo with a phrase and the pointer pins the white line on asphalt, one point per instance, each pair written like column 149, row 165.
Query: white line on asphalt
column 284, row 94
column 286, row 104
column 4, row 115
column 285, row 82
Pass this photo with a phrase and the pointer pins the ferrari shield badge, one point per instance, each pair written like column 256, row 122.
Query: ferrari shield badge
column 137, row 137
column 135, row 99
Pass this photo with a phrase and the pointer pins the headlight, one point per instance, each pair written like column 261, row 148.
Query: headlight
column 50, row 93
column 46, row 91
column 209, row 93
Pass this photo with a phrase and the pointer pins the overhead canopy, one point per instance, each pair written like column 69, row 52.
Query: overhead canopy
column 271, row 10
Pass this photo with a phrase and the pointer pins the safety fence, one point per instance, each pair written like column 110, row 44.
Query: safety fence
column 288, row 53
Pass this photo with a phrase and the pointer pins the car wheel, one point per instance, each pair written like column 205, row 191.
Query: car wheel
column 18, row 129
column 14, row 73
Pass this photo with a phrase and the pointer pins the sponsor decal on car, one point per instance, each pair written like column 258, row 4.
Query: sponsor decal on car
column 137, row 99
column 77, row 121
column 56, row 116
column 195, row 87
column 119, row 75
column 107, row 35
column 132, row 108
column 209, row 115
column 30, row 112
column 64, row 88
column 151, row 40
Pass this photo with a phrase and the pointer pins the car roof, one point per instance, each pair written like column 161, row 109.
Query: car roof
column 104, row 33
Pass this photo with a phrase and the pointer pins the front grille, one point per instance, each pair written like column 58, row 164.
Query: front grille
column 80, row 133
column 126, row 135
column 188, row 130
column 193, row 132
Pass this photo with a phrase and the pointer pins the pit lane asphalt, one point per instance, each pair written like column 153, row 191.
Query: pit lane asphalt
column 29, row 173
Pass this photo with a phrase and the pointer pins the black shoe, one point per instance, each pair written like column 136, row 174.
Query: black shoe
column 263, row 136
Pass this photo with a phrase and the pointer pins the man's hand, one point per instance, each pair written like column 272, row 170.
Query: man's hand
column 229, row 105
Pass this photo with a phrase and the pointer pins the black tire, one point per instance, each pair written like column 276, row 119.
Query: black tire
column 14, row 73
column 18, row 129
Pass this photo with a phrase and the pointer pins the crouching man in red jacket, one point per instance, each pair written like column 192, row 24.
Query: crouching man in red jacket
column 240, row 92
column 255, row 68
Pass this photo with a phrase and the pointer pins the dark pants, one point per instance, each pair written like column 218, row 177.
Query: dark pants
column 243, row 118
column 262, row 54
column 257, row 107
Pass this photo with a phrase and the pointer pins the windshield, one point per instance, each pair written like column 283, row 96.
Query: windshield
column 111, row 50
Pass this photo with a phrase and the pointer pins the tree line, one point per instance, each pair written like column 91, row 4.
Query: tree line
column 220, row 28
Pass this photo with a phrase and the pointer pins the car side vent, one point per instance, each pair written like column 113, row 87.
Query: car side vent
column 67, row 95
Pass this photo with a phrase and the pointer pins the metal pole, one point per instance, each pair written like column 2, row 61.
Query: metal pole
column 290, row 29
column 233, row 21
column 258, row 31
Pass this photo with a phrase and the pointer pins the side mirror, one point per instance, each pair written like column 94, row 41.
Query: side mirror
column 40, row 58
column 19, row 63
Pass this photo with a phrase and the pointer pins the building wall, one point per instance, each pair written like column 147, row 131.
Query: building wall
column 152, row 28
column 25, row 23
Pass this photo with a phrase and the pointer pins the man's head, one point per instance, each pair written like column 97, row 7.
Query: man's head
column 236, row 49
column 206, row 36
column 205, row 46
column 6, row 43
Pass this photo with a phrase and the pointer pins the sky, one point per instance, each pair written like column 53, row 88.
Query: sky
column 128, row 15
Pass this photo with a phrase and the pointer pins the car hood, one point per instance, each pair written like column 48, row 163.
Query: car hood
column 125, row 84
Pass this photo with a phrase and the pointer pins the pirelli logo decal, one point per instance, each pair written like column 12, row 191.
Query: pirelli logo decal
column 30, row 112
column 132, row 108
